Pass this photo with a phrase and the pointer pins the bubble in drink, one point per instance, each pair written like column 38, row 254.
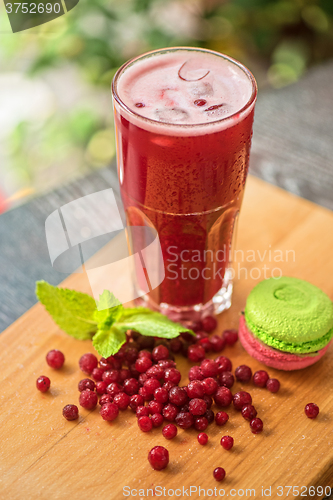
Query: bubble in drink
column 201, row 89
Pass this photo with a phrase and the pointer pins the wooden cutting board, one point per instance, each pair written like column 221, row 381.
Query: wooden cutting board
column 43, row 456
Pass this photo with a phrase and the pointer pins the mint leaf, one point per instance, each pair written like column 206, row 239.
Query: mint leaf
column 108, row 341
column 151, row 324
column 109, row 310
column 131, row 311
column 72, row 311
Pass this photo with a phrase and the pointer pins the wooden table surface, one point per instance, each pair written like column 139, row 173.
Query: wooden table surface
column 42, row 456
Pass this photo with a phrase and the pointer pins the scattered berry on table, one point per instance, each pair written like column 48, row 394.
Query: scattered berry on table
column 273, row 385
column 43, row 383
column 86, row 383
column 249, row 412
column 223, row 397
column 169, row 431
column 202, row 438
column 230, row 336
column 219, row 474
column 145, row 424
column 226, row 379
column 70, row 412
column 158, row 457
column 157, row 419
column 311, row 410
column 227, row 442
column 241, row 399
column 256, row 425
column 221, row 418
column 209, row 323
column 260, row 378
column 243, row 373
column 55, row 359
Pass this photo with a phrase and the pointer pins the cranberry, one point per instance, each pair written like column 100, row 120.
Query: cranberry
column 158, row 457
column 205, row 343
column 195, row 373
column 196, row 326
column 160, row 352
column 70, row 412
column 210, row 386
column 167, row 363
column 201, row 423
column 145, row 354
column 219, row 474
column 142, row 411
column 155, row 371
column 249, row 412
column 131, row 354
column 146, row 342
column 243, row 373
column 110, row 376
column 200, row 102
column 143, row 364
column 226, row 379
column 227, row 442
column 241, row 399
column 168, row 385
column 176, row 345
column 256, row 425
column 311, row 410
column 144, row 392
column 169, row 431
column 170, row 412
column 184, row 408
column 145, row 424
column 114, row 389
column 101, row 387
column 151, row 385
column 260, row 378
column 208, row 368
column 178, row 396
column 124, row 374
column 131, row 386
column 197, row 406
column 273, row 385
column 161, row 395
column 157, row 419
column 230, row 336
column 88, row 362
column 223, row 396
column 195, row 389
column 109, row 411
column 189, row 337
column 139, row 105
column 208, row 400
column 184, row 420
column 173, row 375
column 217, row 343
column 104, row 364
column 135, row 401
column 142, row 378
column 86, row 383
column 209, row 323
column 155, row 407
column 88, row 399
column 221, row 418
column 196, row 353
column 43, row 383
column 114, row 363
column 122, row 400
column 202, row 438
column 224, row 364
column 210, row 416
column 55, row 359
column 97, row 374
column 105, row 398
column 134, row 373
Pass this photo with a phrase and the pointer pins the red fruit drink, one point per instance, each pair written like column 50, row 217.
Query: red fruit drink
column 183, row 125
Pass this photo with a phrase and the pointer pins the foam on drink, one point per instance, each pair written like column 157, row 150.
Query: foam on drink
column 185, row 87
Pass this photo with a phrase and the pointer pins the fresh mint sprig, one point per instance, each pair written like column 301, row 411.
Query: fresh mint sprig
column 76, row 313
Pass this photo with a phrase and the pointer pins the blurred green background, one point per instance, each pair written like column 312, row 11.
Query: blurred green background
column 56, row 121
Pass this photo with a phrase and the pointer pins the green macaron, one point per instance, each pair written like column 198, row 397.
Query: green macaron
column 290, row 315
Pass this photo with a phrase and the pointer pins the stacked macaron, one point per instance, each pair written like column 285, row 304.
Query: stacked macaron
column 287, row 323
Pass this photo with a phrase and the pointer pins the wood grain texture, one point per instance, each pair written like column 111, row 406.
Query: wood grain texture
column 43, row 456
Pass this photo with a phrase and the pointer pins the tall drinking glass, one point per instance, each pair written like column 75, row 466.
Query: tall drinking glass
column 183, row 119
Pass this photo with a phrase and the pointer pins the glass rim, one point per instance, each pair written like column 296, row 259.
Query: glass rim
column 151, row 53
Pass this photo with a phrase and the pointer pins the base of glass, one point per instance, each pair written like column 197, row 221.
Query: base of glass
column 188, row 315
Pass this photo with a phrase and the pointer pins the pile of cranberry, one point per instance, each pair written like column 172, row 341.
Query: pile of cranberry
column 143, row 376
